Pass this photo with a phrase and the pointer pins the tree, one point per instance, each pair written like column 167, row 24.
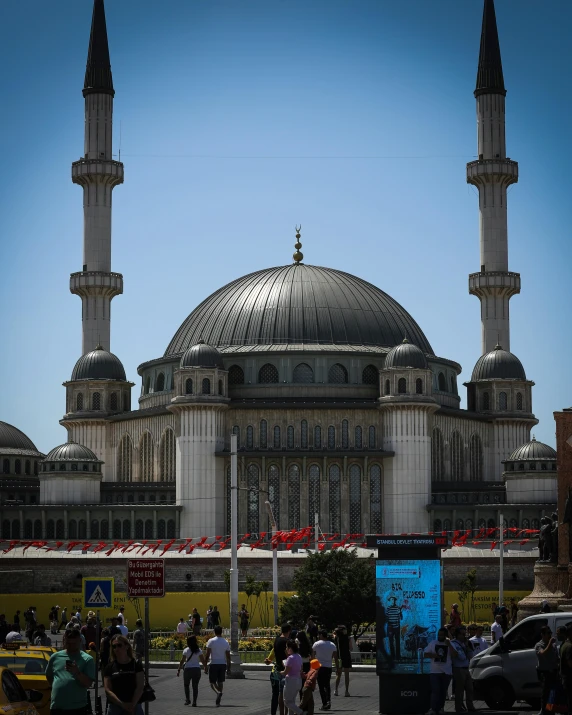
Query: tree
column 337, row 588
column 467, row 588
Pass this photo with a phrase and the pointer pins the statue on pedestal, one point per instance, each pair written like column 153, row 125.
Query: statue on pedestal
column 568, row 520
column 554, row 539
column 545, row 539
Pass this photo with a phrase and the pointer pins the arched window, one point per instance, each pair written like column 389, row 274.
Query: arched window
column 375, row 498
column 72, row 529
column 460, row 525
column 82, row 529
column 337, row 374
column 161, row 529
column 28, row 529
column 317, row 437
column 15, row 529
column 355, row 499
column 113, row 402
column 482, row 524
column 290, row 437
column 249, row 437
column 189, row 386
column 442, row 382
column 437, row 462
column 304, row 434
column 36, row 467
column 401, row 386
column 502, row 401
column 276, row 442
column 447, row 525
column 79, row 401
column 236, row 431
column 369, row 375
column 94, row 529
column 206, row 386
column 437, row 525
column 387, row 390
column 125, row 402
column 331, row 437
column 334, row 494
column 220, row 387
column 148, row 529
column 171, row 533
column 274, row 491
column 371, row 437
column 252, row 479
column 168, row 456
column 293, row 496
column 313, row 492
column 124, row 459
column 491, row 524
column 486, row 401
column 6, row 528
column 303, row 373
column 37, row 529
column 457, row 458
column 268, row 374
column 519, row 400
column 535, row 524
column 235, row 375
column 147, row 385
column 419, row 386
column 18, row 467
column 453, row 384
column 476, row 458
column 160, row 382
column 526, row 523
column 104, row 529
column 116, row 529
column 263, row 435
column 146, row 450
column 96, row 401
column 50, row 529
column 358, row 442
column 345, row 435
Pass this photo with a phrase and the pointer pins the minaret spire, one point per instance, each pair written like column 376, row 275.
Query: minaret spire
column 492, row 174
column 98, row 174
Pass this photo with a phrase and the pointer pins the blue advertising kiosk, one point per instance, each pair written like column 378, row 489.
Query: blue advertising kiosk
column 409, row 613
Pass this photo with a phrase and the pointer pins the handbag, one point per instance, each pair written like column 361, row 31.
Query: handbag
column 148, row 694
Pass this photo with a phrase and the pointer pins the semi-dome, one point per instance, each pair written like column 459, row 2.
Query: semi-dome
column 202, row 355
column 532, row 450
column 298, row 304
column 406, row 355
column 99, row 364
column 13, row 438
column 498, row 364
column 71, row 452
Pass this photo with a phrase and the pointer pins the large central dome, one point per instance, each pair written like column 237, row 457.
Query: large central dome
column 298, row 304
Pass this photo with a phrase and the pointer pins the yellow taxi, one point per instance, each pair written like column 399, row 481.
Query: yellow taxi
column 13, row 699
column 29, row 665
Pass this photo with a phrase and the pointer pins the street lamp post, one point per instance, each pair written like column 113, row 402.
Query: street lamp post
column 236, row 668
column 274, row 560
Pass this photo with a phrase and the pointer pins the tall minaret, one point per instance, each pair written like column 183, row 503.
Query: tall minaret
column 492, row 174
column 98, row 174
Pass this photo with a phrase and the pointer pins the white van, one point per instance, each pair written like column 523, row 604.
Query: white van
column 506, row 671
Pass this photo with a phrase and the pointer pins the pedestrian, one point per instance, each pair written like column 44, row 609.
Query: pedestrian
column 139, row 640
column 63, row 618
column 454, row 617
column 244, row 617
column 104, row 651
column 312, row 629
column 495, row 610
column 89, row 631
column 114, row 629
column 325, row 651
column 307, row 700
column 215, row 617
column 16, row 620
column 209, row 619
column 123, row 679
column 292, row 677
column 182, row 627
column 196, row 622
column 566, row 666
column 548, row 664
column 479, row 643
column 278, row 653
column 191, row 663
column 122, row 627
column 496, row 629
column 70, row 672
column 503, row 613
column 513, row 612
column 304, row 650
column 441, row 670
column 344, row 645
column 31, row 624
column 77, row 627
column 463, row 683
column 78, row 615
column 41, row 637
column 121, row 615
column 218, row 651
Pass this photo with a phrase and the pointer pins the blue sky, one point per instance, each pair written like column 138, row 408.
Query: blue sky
column 239, row 120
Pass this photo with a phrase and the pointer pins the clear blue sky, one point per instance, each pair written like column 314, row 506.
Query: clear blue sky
column 241, row 119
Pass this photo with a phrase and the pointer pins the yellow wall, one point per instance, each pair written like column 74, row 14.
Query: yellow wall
column 483, row 603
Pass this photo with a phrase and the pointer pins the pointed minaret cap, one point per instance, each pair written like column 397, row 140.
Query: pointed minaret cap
column 490, row 79
column 98, row 78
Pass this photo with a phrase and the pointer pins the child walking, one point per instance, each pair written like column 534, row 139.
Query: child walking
column 307, row 701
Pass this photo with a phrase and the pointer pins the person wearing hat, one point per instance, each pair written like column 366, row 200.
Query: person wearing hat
column 307, row 700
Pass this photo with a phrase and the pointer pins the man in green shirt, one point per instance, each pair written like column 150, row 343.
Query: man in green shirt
column 70, row 673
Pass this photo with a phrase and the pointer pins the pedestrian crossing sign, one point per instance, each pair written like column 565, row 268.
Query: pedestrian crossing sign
column 97, row 592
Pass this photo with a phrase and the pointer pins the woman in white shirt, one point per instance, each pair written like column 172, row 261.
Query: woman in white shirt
column 440, row 651
column 191, row 663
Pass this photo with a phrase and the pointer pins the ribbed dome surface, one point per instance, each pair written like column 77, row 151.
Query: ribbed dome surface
column 532, row 450
column 406, row 355
column 202, row 355
column 98, row 365
column 499, row 364
column 71, row 451
column 12, row 438
column 298, row 304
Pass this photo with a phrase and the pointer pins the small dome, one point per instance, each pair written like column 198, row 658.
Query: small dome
column 499, row 364
column 202, row 355
column 71, row 452
column 12, row 438
column 532, row 450
column 406, row 355
column 98, row 365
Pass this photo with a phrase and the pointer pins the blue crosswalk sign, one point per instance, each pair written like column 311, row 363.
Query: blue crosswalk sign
column 97, row 593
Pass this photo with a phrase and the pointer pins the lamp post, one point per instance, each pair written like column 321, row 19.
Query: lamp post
column 274, row 560
column 236, row 668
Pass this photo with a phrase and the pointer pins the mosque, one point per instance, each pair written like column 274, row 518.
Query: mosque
column 342, row 410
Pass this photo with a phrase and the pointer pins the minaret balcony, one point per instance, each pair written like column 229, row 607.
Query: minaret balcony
column 489, row 283
column 90, row 283
column 487, row 171
column 86, row 171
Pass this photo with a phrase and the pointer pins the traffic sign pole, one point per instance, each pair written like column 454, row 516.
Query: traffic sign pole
column 146, row 649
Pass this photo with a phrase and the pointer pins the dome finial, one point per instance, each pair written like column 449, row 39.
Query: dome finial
column 298, row 256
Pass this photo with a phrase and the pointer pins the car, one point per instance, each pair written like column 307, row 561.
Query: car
column 29, row 666
column 506, row 671
column 13, row 699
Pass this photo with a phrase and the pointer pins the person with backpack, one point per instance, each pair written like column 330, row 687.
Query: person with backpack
column 104, row 650
column 123, row 679
column 191, row 665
